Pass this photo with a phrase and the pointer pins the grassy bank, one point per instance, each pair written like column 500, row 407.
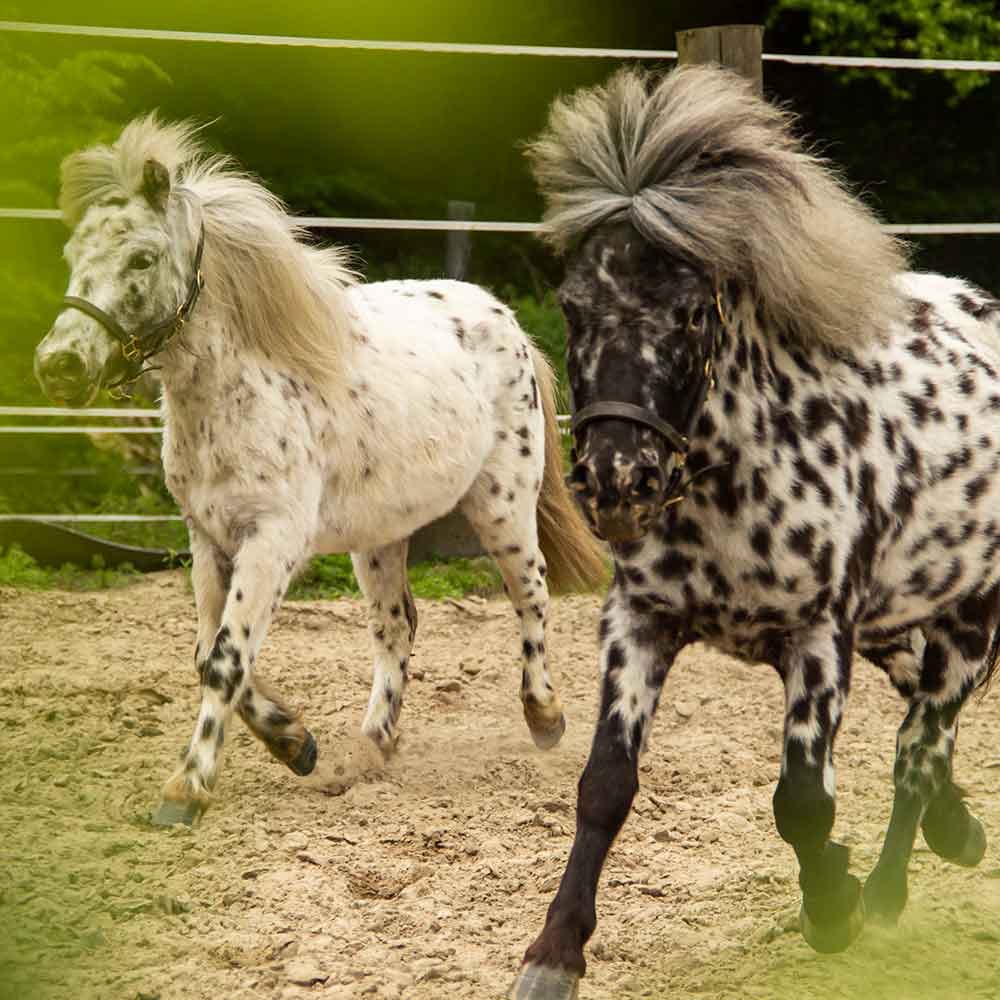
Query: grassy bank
column 325, row 578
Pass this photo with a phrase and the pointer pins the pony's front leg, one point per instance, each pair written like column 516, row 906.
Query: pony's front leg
column 817, row 671
column 635, row 657
column 263, row 710
column 260, row 575
column 392, row 615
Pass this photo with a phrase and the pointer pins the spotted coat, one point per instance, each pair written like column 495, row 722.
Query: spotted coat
column 305, row 412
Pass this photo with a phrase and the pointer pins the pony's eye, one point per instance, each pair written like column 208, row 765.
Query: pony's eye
column 140, row 260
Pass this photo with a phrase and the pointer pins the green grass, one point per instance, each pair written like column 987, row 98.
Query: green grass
column 18, row 569
column 326, row 577
column 329, row 577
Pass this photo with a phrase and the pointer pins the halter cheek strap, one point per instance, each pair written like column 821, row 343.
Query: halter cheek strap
column 139, row 346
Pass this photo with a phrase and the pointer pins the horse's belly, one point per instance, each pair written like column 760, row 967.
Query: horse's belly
column 400, row 497
column 357, row 526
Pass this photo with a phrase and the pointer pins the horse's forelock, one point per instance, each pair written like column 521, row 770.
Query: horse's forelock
column 712, row 173
column 102, row 171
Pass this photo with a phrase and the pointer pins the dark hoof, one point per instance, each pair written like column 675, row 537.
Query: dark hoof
column 974, row 847
column 539, row 982
column 885, row 898
column 547, row 738
column 170, row 813
column 305, row 760
column 952, row 832
column 829, row 938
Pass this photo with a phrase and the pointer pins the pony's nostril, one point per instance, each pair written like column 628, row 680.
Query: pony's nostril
column 646, row 482
column 581, row 480
column 64, row 365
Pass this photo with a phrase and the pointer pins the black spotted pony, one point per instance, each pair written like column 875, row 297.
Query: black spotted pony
column 792, row 446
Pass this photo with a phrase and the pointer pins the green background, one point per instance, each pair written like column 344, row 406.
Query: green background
column 360, row 133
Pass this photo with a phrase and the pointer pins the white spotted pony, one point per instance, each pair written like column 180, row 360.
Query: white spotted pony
column 305, row 412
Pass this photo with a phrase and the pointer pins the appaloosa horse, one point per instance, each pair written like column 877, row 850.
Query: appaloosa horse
column 305, row 412
column 793, row 448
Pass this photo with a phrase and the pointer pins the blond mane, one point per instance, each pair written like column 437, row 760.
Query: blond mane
column 714, row 174
column 281, row 296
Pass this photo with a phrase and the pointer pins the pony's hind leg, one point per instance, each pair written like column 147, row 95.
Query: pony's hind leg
column 382, row 577
column 505, row 521
column 957, row 656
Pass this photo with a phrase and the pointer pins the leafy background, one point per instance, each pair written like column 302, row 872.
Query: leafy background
column 398, row 135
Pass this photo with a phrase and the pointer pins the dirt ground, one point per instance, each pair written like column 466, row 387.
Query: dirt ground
column 428, row 877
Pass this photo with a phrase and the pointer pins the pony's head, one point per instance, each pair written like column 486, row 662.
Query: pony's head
column 663, row 192
column 132, row 259
column 641, row 328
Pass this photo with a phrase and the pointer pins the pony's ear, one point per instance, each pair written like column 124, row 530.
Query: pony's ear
column 155, row 184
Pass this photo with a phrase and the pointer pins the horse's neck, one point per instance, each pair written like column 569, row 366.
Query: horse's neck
column 206, row 368
column 753, row 364
column 201, row 359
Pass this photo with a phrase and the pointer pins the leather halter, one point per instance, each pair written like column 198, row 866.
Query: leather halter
column 678, row 441
column 140, row 345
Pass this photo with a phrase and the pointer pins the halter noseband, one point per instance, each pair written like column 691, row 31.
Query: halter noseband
column 679, row 442
column 138, row 347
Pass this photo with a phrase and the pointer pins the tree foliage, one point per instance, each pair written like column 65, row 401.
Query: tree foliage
column 52, row 109
column 922, row 29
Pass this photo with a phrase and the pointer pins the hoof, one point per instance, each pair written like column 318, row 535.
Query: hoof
column 170, row 813
column 833, row 938
column 942, row 829
column 974, row 847
column 539, row 982
column 885, row 895
column 305, row 760
column 546, row 738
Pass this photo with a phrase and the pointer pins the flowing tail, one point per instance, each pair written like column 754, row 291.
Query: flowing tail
column 576, row 560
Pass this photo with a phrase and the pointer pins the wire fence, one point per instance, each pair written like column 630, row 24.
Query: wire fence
column 482, row 226
column 444, row 225
column 466, row 48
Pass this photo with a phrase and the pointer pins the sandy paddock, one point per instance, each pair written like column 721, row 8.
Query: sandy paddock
column 428, row 877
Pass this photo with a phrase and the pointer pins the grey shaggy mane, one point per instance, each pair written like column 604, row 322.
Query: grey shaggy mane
column 706, row 169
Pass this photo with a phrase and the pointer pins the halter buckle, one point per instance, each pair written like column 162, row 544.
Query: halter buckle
column 131, row 350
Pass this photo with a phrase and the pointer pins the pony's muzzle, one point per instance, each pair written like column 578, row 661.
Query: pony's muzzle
column 64, row 377
column 621, row 504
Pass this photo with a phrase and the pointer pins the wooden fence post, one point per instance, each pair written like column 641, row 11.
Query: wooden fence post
column 451, row 535
column 459, row 244
column 738, row 46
